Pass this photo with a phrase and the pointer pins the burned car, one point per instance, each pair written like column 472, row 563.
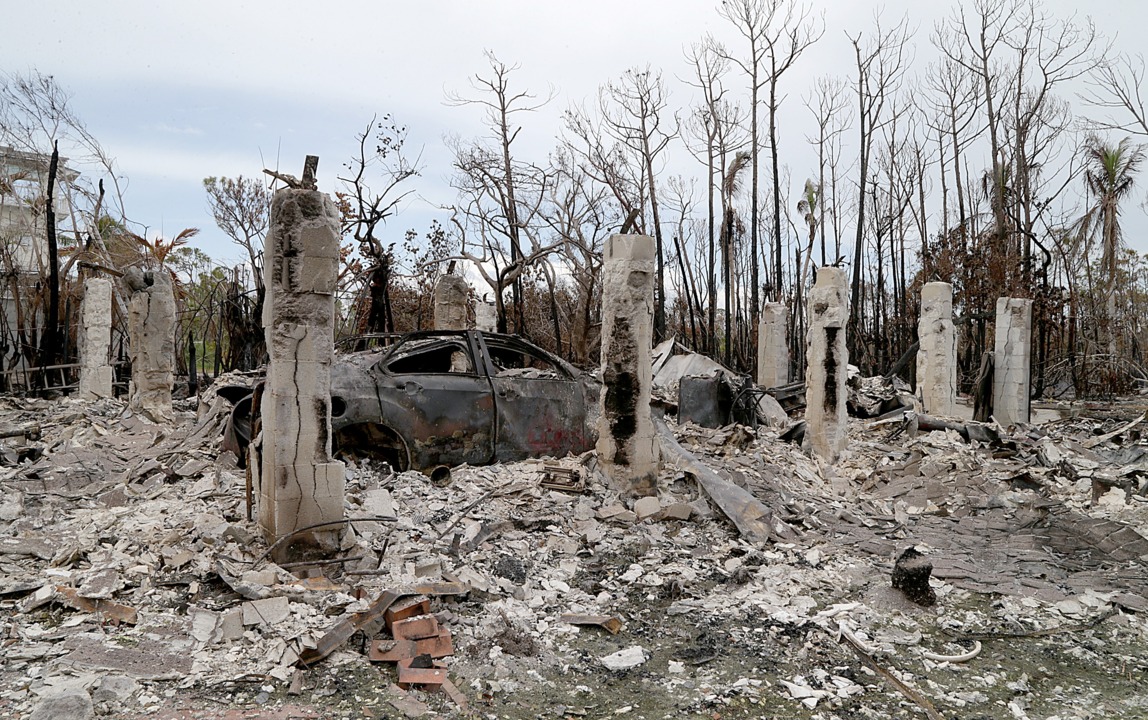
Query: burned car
column 435, row 398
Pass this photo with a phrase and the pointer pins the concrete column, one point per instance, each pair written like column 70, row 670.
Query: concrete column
column 451, row 301
column 96, row 339
column 937, row 355
column 151, row 334
column 1012, row 361
column 300, row 485
column 827, row 364
column 772, row 350
column 485, row 315
column 627, row 441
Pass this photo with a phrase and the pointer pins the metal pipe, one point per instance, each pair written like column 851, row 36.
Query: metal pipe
column 439, row 475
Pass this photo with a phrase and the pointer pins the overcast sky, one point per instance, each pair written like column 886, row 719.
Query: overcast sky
column 179, row 91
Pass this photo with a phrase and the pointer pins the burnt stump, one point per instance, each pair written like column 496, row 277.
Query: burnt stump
column 911, row 576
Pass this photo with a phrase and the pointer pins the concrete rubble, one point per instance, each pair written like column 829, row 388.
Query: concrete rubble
column 583, row 602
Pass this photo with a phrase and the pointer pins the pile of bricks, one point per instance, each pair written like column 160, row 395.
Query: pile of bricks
column 417, row 647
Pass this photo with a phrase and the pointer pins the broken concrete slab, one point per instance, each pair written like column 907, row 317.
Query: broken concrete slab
column 205, row 625
column 100, row 584
column 405, row 703
column 74, row 705
column 11, row 506
column 148, row 659
column 268, row 611
column 753, row 520
column 625, row 659
column 647, row 507
column 114, row 689
column 677, row 511
column 31, row 546
column 231, row 625
column 377, row 503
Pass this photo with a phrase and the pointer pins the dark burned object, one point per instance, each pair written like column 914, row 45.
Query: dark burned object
column 983, row 389
column 620, row 404
column 911, row 576
column 704, row 400
column 444, row 398
column 831, row 370
column 556, row 477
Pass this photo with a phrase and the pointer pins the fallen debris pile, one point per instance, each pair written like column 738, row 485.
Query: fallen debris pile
column 132, row 583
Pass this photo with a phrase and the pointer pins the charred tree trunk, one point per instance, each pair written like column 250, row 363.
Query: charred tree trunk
column 380, row 316
column 192, row 370
column 51, row 338
column 983, row 390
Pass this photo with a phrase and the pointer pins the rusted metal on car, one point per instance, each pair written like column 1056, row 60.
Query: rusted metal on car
column 444, row 398
column 540, row 410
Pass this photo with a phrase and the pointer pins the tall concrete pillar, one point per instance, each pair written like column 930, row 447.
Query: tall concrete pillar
column 1012, row 361
column 485, row 315
column 151, row 335
column 300, row 485
column 627, row 441
column 937, row 355
column 827, row 364
column 451, row 300
column 96, row 339
column 772, row 350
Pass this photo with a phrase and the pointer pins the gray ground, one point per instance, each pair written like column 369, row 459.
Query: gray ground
column 146, row 520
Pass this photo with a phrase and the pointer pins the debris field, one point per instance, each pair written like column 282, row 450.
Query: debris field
column 134, row 584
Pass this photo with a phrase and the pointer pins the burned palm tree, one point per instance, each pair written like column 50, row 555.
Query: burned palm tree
column 1109, row 172
column 730, row 227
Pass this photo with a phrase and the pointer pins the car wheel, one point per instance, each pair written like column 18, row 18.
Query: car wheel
column 371, row 440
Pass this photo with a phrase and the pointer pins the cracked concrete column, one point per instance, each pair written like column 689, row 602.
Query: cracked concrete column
column 300, row 485
column 772, row 350
column 1012, row 360
column 827, row 364
column 485, row 315
column 937, row 355
column 96, row 339
column 451, row 301
column 151, row 334
column 627, row 440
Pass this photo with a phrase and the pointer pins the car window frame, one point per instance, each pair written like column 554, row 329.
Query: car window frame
column 461, row 340
column 509, row 342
